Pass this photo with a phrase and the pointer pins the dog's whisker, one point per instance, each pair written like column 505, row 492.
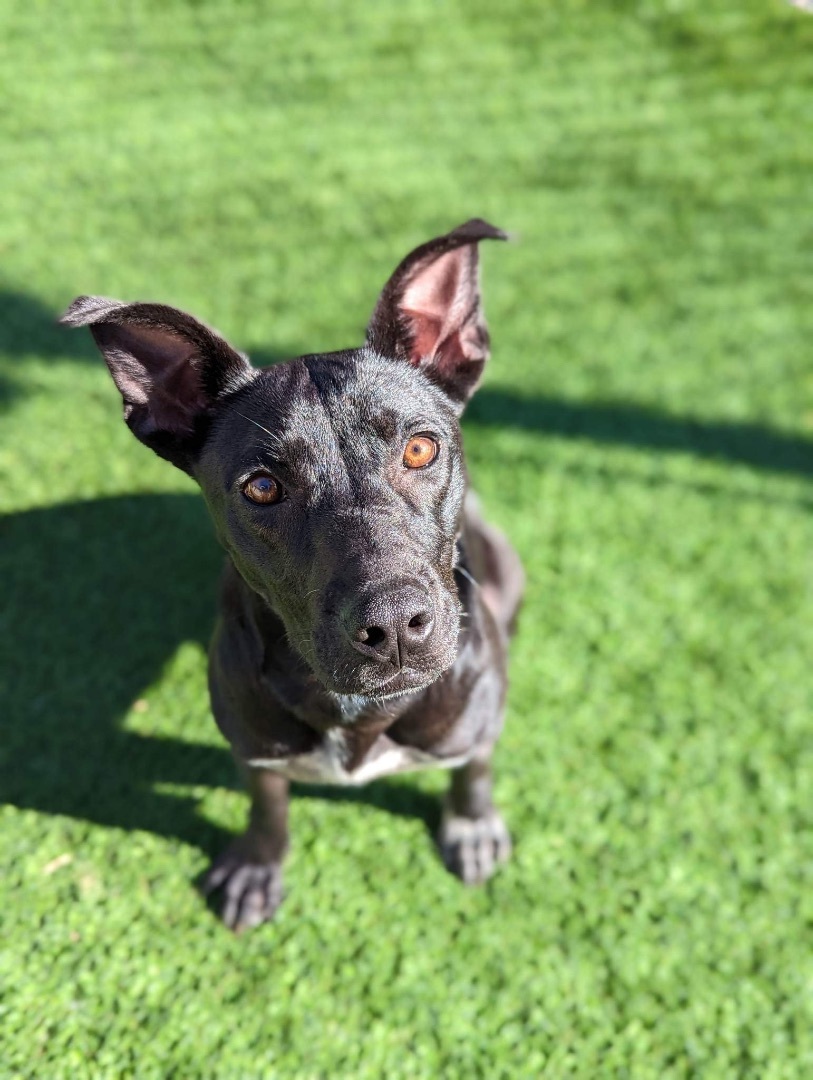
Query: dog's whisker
column 255, row 422
column 462, row 570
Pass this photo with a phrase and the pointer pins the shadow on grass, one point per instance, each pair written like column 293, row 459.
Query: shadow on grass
column 623, row 424
column 29, row 328
column 98, row 596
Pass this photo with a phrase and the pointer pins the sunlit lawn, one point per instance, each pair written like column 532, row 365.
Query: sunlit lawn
column 645, row 435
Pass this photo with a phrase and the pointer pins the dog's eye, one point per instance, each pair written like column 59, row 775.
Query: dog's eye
column 420, row 451
column 262, row 489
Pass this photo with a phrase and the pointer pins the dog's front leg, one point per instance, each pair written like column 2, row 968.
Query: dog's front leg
column 473, row 838
column 250, row 870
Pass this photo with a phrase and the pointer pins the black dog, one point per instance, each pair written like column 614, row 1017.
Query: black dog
column 365, row 607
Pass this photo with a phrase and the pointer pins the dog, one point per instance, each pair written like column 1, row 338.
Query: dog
column 365, row 605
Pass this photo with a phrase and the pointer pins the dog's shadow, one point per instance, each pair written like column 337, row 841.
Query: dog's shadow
column 97, row 598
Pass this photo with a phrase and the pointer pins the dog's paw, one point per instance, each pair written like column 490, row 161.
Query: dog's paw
column 252, row 891
column 473, row 848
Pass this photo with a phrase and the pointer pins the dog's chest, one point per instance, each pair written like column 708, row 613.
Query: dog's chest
column 327, row 764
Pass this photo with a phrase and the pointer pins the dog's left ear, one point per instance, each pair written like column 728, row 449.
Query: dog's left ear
column 430, row 312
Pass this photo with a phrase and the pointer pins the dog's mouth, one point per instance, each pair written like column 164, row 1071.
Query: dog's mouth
column 374, row 687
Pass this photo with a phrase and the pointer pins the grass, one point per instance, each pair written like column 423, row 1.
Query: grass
column 645, row 435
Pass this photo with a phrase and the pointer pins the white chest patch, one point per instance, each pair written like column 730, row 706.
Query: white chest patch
column 327, row 763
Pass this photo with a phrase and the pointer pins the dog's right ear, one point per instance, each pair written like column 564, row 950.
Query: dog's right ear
column 170, row 368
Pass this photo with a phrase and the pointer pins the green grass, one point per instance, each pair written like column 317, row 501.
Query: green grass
column 645, row 435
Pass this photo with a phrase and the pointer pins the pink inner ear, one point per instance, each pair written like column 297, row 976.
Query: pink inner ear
column 433, row 290
column 156, row 369
column 426, row 332
column 434, row 301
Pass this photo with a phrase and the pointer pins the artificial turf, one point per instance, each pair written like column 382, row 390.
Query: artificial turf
column 644, row 434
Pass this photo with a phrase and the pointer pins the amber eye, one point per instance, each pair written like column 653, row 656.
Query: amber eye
column 262, row 489
column 420, row 451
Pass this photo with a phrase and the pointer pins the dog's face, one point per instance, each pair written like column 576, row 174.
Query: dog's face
column 335, row 481
column 336, row 485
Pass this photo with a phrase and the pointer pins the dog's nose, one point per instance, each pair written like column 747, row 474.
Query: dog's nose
column 391, row 626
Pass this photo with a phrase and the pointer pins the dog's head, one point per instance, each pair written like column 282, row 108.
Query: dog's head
column 335, row 481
